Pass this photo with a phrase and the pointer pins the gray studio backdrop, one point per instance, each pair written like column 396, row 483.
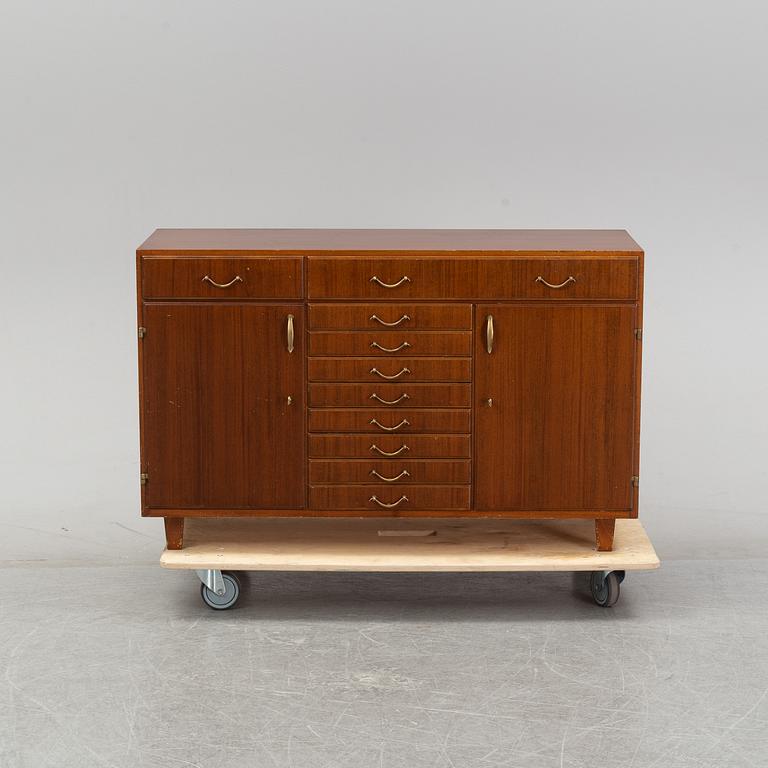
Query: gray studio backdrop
column 121, row 117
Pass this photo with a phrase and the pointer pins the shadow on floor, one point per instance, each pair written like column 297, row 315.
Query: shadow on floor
column 408, row 596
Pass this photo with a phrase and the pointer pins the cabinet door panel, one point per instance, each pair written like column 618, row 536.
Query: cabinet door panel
column 559, row 432
column 218, row 429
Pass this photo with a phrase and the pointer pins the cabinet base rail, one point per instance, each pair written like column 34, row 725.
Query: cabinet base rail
column 604, row 527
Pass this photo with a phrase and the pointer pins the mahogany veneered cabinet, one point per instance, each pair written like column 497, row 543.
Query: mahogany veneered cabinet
column 450, row 373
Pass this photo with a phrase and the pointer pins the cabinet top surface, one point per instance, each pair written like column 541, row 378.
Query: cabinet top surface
column 224, row 241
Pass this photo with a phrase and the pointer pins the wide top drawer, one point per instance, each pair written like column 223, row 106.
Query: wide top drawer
column 222, row 278
column 396, row 279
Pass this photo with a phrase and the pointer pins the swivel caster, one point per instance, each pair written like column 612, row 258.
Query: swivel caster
column 219, row 591
column 605, row 588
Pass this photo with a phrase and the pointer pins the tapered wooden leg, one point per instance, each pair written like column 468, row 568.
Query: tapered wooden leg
column 174, row 532
column 604, row 528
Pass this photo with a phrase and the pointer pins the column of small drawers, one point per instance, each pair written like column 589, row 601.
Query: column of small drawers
column 389, row 407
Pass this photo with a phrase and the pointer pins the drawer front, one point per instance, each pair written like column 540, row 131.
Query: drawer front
column 386, row 278
column 402, row 370
column 574, row 279
column 378, row 421
column 389, row 447
column 222, row 278
column 389, row 501
column 421, row 317
column 472, row 278
column 386, row 396
column 388, row 472
column 390, row 343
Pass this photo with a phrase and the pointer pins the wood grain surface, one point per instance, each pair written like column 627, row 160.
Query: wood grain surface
column 262, row 278
column 402, row 343
column 406, row 471
column 220, row 432
column 462, row 279
column 457, row 545
column 401, row 422
column 560, row 432
column 404, row 369
column 548, row 241
column 406, row 395
column 412, row 447
column 414, row 498
column 366, row 316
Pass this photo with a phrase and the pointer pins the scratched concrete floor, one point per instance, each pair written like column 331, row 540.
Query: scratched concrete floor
column 124, row 666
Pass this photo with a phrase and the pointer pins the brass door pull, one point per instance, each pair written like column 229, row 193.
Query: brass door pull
column 403, row 423
column 400, row 450
column 290, row 334
column 376, row 345
column 404, row 473
column 388, row 506
column 489, row 334
column 403, row 319
column 384, row 375
column 235, row 279
column 403, row 279
column 404, row 396
column 567, row 281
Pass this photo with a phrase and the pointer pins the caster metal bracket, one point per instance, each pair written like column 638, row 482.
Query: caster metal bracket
column 620, row 575
column 213, row 580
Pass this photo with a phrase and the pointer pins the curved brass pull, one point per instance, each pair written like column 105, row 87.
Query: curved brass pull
column 388, row 506
column 569, row 279
column 403, row 279
column 404, row 473
column 290, row 334
column 403, row 319
column 489, row 334
column 376, row 345
column 384, row 375
column 235, row 279
column 403, row 423
column 404, row 396
column 400, row 450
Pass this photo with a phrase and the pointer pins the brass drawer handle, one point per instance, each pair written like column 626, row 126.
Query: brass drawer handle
column 403, row 319
column 404, row 473
column 376, row 345
column 388, row 506
column 403, row 279
column 384, row 375
column 489, row 334
column 567, row 281
column 404, row 396
column 235, row 279
column 403, row 423
column 400, row 450
column 290, row 334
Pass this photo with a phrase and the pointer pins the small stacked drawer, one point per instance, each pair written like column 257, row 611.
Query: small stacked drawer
column 389, row 407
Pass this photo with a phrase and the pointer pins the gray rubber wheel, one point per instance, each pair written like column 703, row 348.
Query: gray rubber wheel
column 228, row 599
column 605, row 591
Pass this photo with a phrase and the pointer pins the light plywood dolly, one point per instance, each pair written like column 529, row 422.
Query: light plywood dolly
column 218, row 548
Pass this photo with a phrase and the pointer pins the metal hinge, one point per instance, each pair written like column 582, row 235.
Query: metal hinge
column 144, row 478
column 142, row 332
column 635, row 481
column 639, row 334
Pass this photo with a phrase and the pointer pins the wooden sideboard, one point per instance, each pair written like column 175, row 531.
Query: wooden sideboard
column 434, row 373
